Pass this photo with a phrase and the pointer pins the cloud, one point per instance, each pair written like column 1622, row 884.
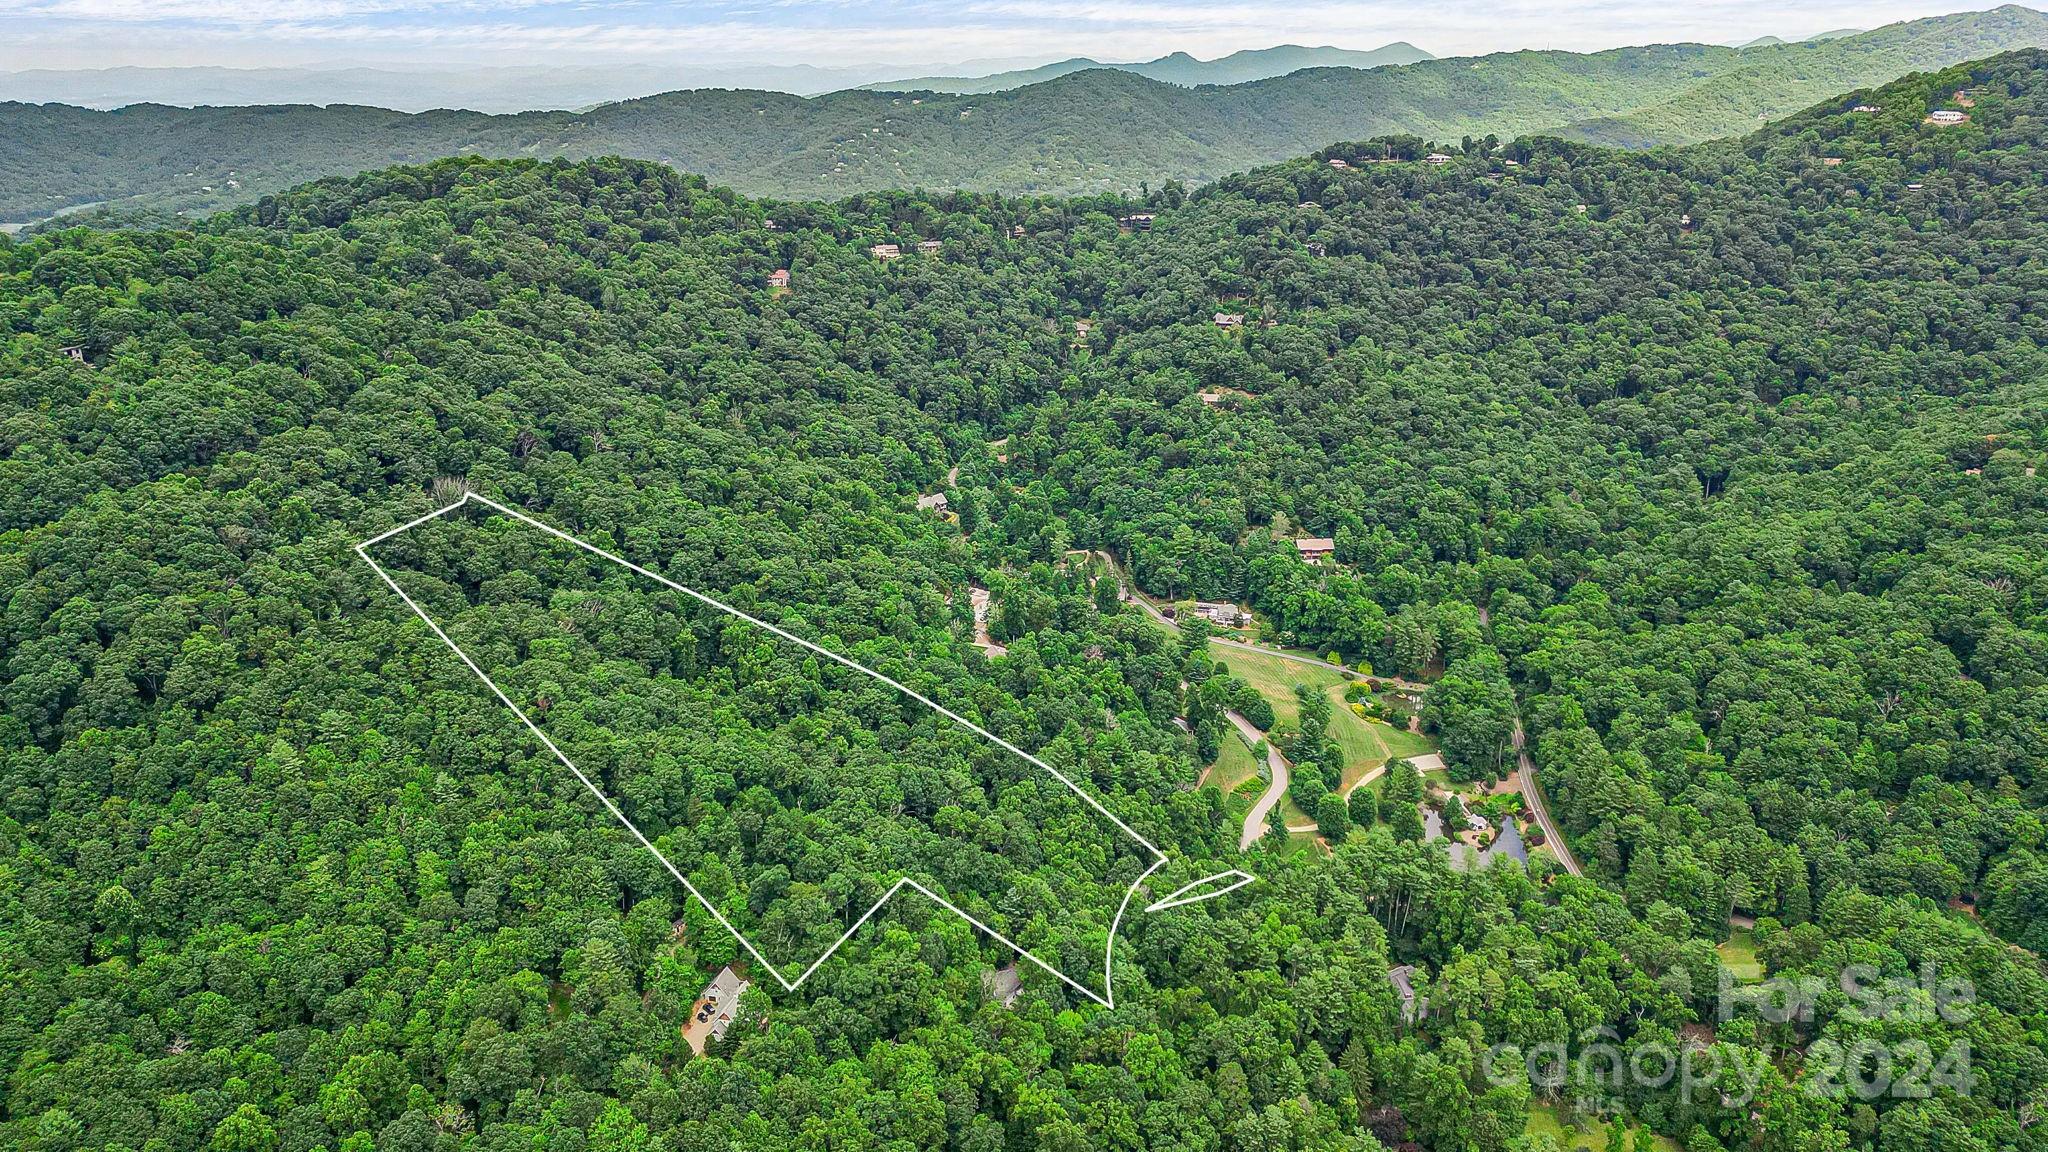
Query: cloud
column 839, row 32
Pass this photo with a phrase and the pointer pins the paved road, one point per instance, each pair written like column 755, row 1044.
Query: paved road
column 1371, row 774
column 1276, row 765
column 1532, row 795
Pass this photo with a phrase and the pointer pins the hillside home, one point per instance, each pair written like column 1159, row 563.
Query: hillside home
column 779, row 278
column 1413, row 1007
column 929, row 247
column 770, row 224
column 720, row 1000
column 1016, row 231
column 1003, row 985
column 1225, row 614
column 936, row 502
column 1436, row 158
column 1335, row 163
column 1316, row 549
column 1831, row 161
column 74, row 352
column 1866, row 108
column 1136, row 222
column 1946, row 116
column 884, row 251
column 1229, row 319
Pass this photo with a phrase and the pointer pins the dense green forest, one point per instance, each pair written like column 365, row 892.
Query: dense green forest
column 1715, row 466
column 1082, row 133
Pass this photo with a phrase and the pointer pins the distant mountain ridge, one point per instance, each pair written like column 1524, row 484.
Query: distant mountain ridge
column 1177, row 68
column 481, row 89
column 1088, row 131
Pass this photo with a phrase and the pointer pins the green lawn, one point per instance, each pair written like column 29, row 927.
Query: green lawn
column 1401, row 742
column 1275, row 678
column 1546, row 1120
column 1738, row 952
column 1366, row 743
column 1234, row 764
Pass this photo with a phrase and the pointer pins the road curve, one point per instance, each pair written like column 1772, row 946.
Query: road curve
column 1532, row 796
column 1276, row 765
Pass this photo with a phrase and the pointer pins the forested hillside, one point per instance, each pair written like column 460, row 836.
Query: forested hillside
column 1716, row 465
column 1178, row 68
column 1083, row 133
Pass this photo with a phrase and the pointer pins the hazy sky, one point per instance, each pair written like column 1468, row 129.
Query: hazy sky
column 101, row 33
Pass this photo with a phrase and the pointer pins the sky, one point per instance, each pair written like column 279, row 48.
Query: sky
column 841, row 33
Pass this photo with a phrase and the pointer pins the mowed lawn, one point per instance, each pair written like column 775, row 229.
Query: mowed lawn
column 1367, row 744
column 1738, row 954
column 1544, row 1119
column 1234, row 765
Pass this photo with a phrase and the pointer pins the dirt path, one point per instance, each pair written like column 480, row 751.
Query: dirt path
column 1276, row 765
column 979, row 598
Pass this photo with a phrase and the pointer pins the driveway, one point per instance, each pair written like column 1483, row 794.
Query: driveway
column 1276, row 765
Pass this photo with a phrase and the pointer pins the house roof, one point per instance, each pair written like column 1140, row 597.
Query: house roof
column 1402, row 977
column 1003, row 985
column 1316, row 544
column 726, row 987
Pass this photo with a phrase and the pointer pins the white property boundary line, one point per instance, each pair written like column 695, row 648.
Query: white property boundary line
column 1108, row 996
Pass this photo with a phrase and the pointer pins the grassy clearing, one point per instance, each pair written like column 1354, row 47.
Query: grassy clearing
column 1401, row 742
column 1367, row 744
column 1234, row 764
column 1738, row 953
column 1547, row 1120
column 1275, row 678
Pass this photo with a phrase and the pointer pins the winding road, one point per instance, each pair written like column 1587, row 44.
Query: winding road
column 1276, row 766
column 1255, row 822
